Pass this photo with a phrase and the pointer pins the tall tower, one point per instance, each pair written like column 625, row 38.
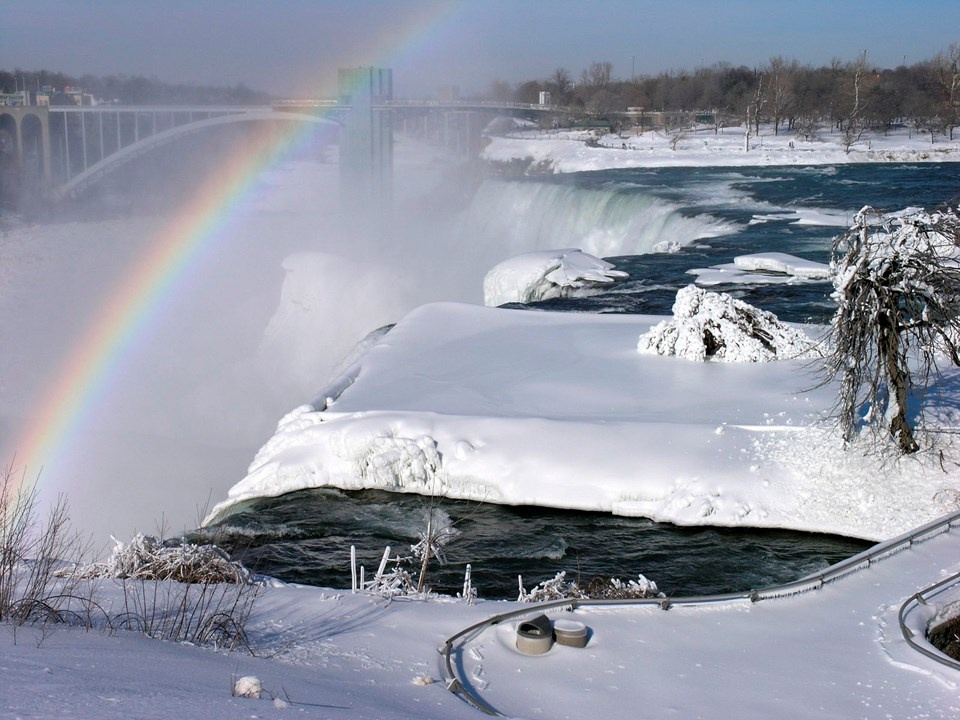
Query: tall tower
column 366, row 142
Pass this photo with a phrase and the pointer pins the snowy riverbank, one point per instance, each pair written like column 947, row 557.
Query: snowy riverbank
column 535, row 151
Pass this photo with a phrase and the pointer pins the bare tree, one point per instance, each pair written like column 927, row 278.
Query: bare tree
column 947, row 68
column 597, row 75
column 853, row 122
column 759, row 100
column 898, row 286
column 561, row 85
column 781, row 74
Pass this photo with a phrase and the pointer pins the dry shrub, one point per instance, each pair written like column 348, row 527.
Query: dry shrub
column 147, row 558
column 599, row 588
column 32, row 551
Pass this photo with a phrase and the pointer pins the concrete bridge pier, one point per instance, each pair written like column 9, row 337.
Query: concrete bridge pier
column 366, row 145
column 25, row 147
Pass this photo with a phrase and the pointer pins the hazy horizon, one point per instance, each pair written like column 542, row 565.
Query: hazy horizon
column 293, row 48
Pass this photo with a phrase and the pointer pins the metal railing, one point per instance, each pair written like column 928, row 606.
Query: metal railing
column 920, row 599
column 815, row 581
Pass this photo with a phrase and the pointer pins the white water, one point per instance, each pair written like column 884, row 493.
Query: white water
column 522, row 216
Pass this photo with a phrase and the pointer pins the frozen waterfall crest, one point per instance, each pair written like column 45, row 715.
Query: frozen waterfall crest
column 522, row 216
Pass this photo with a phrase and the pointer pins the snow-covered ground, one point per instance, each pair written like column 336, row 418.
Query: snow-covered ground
column 835, row 652
column 567, row 150
column 508, row 405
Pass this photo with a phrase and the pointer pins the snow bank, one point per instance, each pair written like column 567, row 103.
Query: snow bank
column 559, row 410
column 715, row 326
column 547, row 274
column 568, row 151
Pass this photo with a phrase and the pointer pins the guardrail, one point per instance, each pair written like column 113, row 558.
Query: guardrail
column 815, row 581
column 920, row 599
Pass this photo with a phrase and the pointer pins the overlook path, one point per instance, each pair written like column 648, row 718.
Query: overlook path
column 836, row 652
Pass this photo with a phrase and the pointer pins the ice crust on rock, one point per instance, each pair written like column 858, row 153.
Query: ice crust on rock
column 716, row 326
column 547, row 274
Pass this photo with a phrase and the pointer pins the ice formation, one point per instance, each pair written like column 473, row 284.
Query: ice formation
column 547, row 274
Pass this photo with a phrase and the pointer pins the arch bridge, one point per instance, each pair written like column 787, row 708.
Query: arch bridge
column 61, row 150
column 65, row 149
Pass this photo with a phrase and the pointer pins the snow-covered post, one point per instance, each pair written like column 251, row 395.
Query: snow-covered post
column 383, row 565
column 468, row 591
column 353, row 568
column 746, row 132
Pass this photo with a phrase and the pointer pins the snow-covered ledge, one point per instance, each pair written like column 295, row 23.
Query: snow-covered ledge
column 560, row 410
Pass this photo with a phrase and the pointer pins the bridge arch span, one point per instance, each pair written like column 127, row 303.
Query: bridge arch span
column 148, row 144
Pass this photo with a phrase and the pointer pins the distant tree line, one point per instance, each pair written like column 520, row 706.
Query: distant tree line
column 850, row 96
column 128, row 89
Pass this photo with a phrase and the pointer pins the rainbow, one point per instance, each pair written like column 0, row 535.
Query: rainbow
column 84, row 378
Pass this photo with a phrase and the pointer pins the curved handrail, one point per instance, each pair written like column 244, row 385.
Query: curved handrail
column 919, row 598
column 815, row 581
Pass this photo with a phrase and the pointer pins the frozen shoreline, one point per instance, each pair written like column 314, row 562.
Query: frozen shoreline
column 567, row 151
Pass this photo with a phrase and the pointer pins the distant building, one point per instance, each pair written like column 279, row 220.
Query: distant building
column 545, row 97
column 16, row 99
column 77, row 96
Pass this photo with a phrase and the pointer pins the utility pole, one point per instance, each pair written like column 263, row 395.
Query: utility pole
column 633, row 68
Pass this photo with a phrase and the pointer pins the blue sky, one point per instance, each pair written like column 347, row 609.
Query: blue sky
column 293, row 47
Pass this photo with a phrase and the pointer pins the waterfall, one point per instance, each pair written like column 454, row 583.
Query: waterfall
column 516, row 216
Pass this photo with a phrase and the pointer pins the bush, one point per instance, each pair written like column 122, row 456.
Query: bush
column 598, row 588
column 180, row 591
column 147, row 558
column 31, row 552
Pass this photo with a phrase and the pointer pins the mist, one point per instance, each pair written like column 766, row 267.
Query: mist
column 253, row 328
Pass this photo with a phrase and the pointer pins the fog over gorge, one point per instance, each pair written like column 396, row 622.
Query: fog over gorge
column 272, row 301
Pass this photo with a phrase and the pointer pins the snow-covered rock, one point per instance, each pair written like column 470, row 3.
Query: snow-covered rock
column 249, row 686
column 715, row 326
column 548, row 274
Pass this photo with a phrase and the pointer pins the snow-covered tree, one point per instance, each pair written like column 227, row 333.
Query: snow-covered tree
column 897, row 281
